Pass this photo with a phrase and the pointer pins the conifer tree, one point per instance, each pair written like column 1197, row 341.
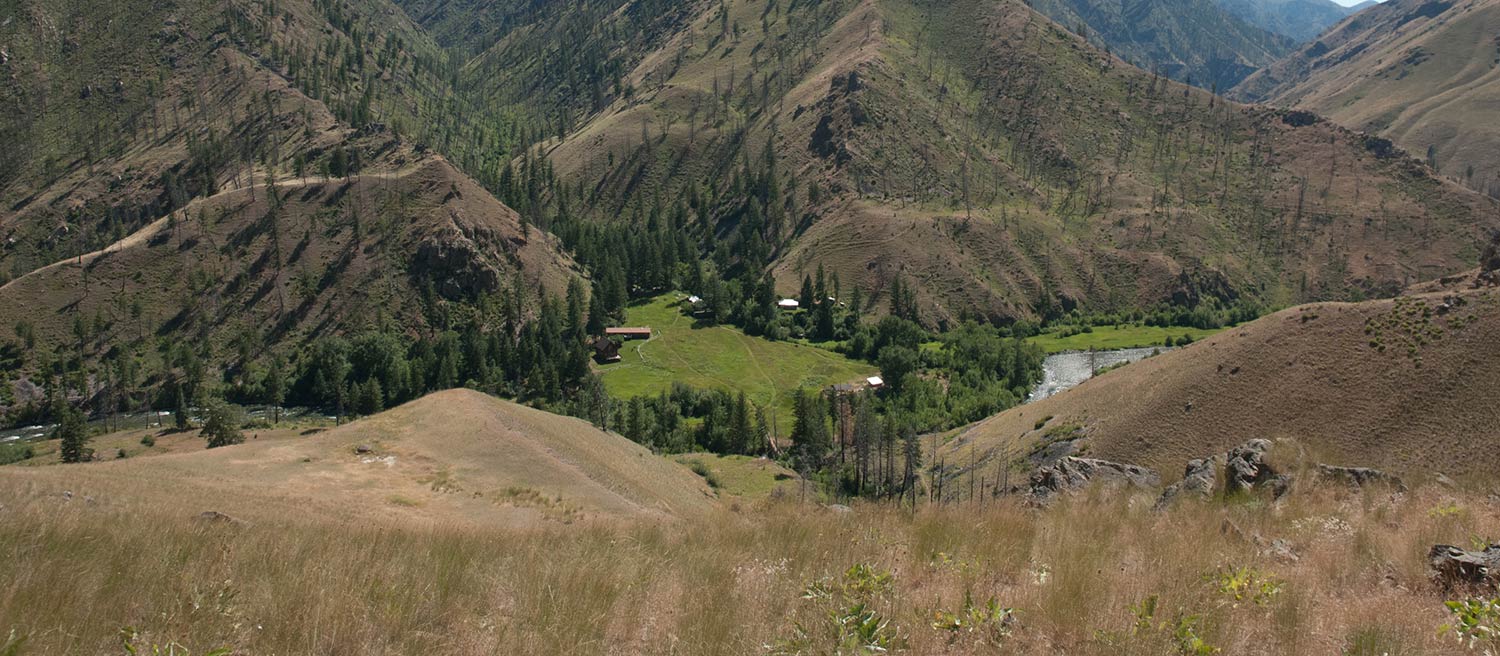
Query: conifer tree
column 73, row 432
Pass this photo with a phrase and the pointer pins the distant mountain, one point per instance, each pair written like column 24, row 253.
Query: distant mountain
column 994, row 161
column 1196, row 41
column 200, row 170
column 1423, row 73
column 1298, row 20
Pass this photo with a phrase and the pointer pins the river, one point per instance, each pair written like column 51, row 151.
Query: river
column 1063, row 371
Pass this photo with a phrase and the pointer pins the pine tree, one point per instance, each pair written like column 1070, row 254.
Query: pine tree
column 221, row 423
column 810, row 438
column 180, row 409
column 275, row 387
column 73, row 432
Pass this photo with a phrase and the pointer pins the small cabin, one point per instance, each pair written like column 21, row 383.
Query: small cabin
column 875, row 382
column 788, row 304
column 634, row 332
column 605, row 350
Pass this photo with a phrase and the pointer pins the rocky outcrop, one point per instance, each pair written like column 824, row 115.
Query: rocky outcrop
column 1199, row 480
column 1360, row 477
column 1452, row 567
column 1246, row 470
column 457, row 265
column 1073, row 474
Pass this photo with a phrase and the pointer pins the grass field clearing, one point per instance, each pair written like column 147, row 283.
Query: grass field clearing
column 1108, row 338
column 720, row 357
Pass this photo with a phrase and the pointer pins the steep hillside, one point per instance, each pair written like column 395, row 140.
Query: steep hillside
column 304, row 258
column 881, row 139
column 1298, row 20
column 1403, row 384
column 1202, row 42
column 1425, row 75
column 455, row 457
column 117, row 114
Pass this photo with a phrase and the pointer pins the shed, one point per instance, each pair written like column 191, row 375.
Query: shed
column 875, row 382
column 634, row 332
column 788, row 304
column 605, row 350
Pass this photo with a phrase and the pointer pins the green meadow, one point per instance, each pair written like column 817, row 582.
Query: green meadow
column 1104, row 338
column 720, row 357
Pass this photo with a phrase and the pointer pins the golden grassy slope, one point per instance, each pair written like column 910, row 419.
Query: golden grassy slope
column 1422, row 405
column 454, row 457
column 732, row 583
column 327, row 254
column 1424, row 74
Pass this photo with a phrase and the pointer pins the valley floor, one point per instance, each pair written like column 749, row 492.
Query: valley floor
column 1088, row 576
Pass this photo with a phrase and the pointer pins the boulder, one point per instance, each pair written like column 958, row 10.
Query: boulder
column 1360, row 477
column 1454, row 567
column 1071, row 474
column 1246, row 470
column 1200, row 479
column 216, row 517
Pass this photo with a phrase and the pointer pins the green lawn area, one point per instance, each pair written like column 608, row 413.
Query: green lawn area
column 743, row 476
column 1111, row 337
column 720, row 357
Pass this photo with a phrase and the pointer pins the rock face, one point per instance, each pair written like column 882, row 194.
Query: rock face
column 1200, row 479
column 1360, row 477
column 1455, row 567
column 1072, row 474
column 1246, row 470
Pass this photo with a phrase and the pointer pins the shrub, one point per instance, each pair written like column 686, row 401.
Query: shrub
column 1476, row 623
column 10, row 453
column 851, row 624
column 701, row 469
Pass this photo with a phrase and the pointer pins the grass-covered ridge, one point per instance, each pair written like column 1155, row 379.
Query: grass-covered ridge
column 720, row 357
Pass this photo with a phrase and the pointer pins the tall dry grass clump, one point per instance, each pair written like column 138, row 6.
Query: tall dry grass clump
column 1096, row 574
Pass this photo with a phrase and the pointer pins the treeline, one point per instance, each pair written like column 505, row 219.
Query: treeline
column 1208, row 313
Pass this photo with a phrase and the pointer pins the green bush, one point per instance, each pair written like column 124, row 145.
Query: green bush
column 10, row 453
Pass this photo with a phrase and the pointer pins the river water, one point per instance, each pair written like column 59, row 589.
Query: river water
column 1063, row 371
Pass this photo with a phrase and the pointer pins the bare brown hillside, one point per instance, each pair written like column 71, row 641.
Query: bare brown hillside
column 1425, row 74
column 1062, row 178
column 1406, row 384
column 301, row 259
column 117, row 113
column 454, row 457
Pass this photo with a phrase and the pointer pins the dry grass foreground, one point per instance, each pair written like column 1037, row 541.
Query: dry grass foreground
column 734, row 583
column 1405, row 384
column 451, row 457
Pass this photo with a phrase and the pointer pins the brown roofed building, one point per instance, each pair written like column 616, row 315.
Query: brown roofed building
column 642, row 332
column 605, row 350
